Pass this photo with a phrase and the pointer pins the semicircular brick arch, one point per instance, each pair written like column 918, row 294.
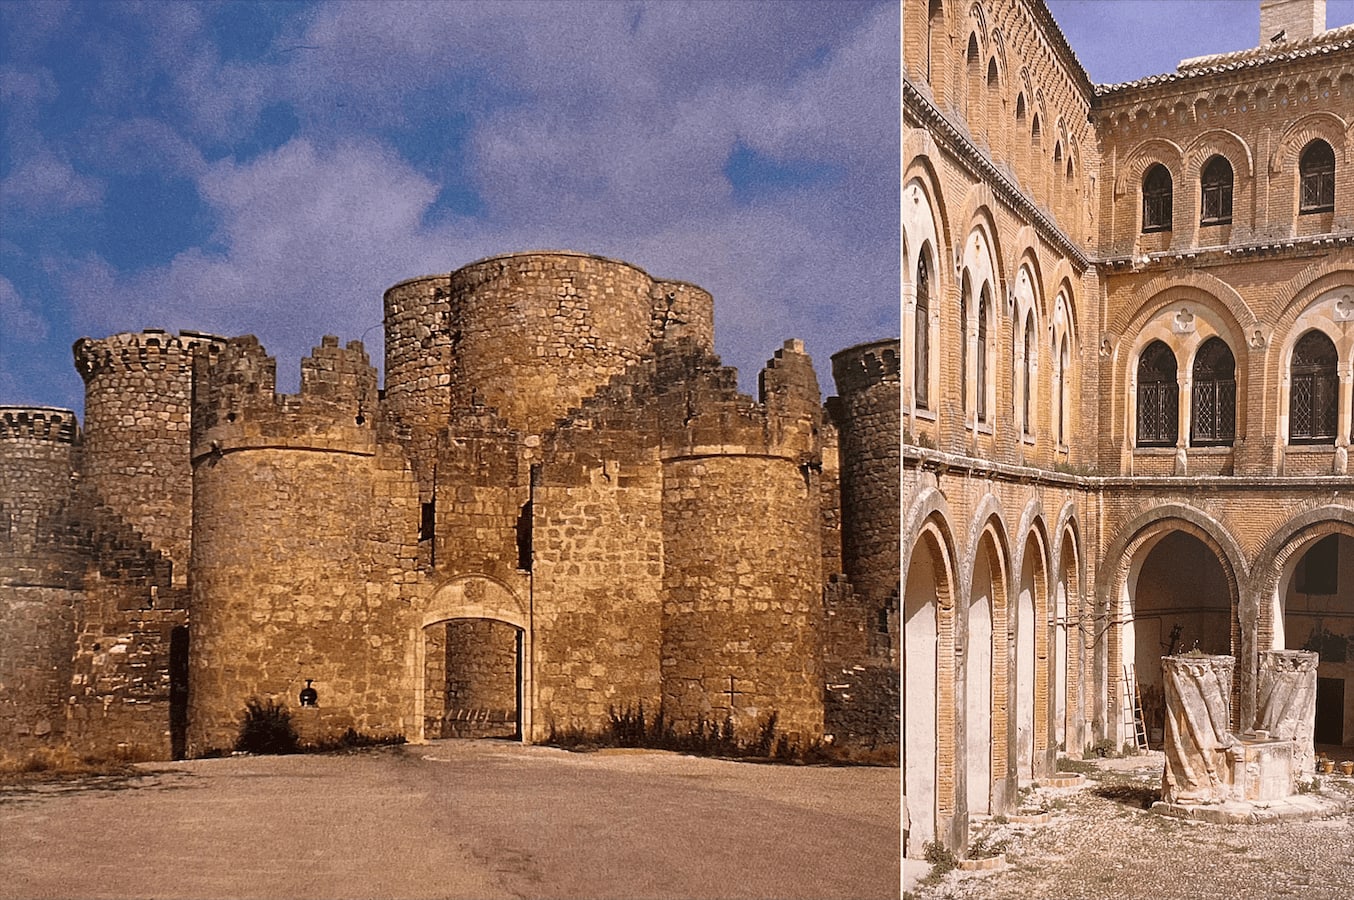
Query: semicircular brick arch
column 1155, row 150
column 1221, row 142
column 1325, row 125
column 1189, row 285
column 1143, row 530
column 1272, row 561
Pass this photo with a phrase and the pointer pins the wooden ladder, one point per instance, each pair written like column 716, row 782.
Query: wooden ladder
column 1133, row 719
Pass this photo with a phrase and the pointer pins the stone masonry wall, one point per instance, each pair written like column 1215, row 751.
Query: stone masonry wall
column 307, row 534
column 742, row 543
column 42, row 560
column 597, row 575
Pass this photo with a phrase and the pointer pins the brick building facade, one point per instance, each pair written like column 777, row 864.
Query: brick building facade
column 558, row 505
column 1128, row 387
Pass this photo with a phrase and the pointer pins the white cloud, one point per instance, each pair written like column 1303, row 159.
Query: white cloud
column 19, row 321
column 43, row 181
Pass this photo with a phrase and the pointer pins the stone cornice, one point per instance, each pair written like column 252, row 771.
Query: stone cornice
column 928, row 116
column 953, row 463
column 1201, row 256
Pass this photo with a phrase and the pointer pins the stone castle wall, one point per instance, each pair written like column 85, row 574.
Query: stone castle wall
column 306, row 527
column 560, row 508
column 42, row 561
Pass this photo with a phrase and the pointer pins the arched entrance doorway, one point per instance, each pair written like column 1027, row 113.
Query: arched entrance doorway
column 473, row 659
column 473, row 679
column 986, row 619
column 1031, row 660
column 1316, row 597
column 927, row 587
column 1180, row 599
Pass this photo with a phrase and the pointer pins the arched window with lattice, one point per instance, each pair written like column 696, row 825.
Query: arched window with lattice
column 1156, row 199
column 1317, row 172
column 1314, row 390
column 1158, row 415
column 1213, row 396
column 1216, row 183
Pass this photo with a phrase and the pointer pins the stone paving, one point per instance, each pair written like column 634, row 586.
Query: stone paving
column 1102, row 843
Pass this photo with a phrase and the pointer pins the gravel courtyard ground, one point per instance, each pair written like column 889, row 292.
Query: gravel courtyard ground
column 1100, row 843
column 472, row 819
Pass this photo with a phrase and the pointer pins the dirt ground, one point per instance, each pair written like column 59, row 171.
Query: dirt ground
column 1101, row 843
column 472, row 819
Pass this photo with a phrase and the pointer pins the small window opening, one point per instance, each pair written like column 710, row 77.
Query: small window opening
column 1156, row 199
column 524, row 538
column 427, row 525
column 1318, row 177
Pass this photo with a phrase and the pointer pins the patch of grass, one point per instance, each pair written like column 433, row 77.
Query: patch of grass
column 267, row 729
column 982, row 848
column 1133, row 794
column 57, row 764
column 942, row 861
column 632, row 727
column 352, row 739
column 1076, row 766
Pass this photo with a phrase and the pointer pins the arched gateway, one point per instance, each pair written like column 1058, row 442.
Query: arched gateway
column 472, row 662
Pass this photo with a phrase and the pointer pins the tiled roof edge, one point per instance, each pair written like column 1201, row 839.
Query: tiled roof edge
column 1334, row 41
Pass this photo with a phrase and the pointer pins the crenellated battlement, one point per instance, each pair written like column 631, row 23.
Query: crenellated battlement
column 866, row 365
column 237, row 405
column 151, row 349
column 41, row 423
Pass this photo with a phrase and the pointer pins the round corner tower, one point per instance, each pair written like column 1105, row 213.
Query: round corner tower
column 42, row 566
column 528, row 334
column 742, row 575
column 300, row 517
column 138, row 411
column 869, row 387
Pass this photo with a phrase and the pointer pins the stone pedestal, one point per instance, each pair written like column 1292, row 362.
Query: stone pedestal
column 1286, row 703
column 1198, row 692
column 1262, row 769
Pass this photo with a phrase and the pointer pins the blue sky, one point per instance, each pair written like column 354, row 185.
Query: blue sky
column 1123, row 40
column 272, row 167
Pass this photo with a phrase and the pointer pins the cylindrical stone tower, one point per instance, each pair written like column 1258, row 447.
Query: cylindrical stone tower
column 42, row 566
column 869, row 385
column 305, row 525
column 528, row 334
column 138, row 392
column 742, row 569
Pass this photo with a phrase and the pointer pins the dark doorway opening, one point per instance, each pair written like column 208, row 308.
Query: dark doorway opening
column 1330, row 711
column 178, row 691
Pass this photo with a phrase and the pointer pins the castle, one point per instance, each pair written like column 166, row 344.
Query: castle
column 1128, row 389
column 557, row 506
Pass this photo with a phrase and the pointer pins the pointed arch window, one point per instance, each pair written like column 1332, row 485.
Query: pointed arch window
column 921, row 375
column 1156, row 199
column 1216, row 183
column 1060, row 390
column 1213, row 396
column 1313, row 390
column 1158, row 424
column 1029, row 370
column 981, row 375
column 1317, row 168
column 965, row 295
